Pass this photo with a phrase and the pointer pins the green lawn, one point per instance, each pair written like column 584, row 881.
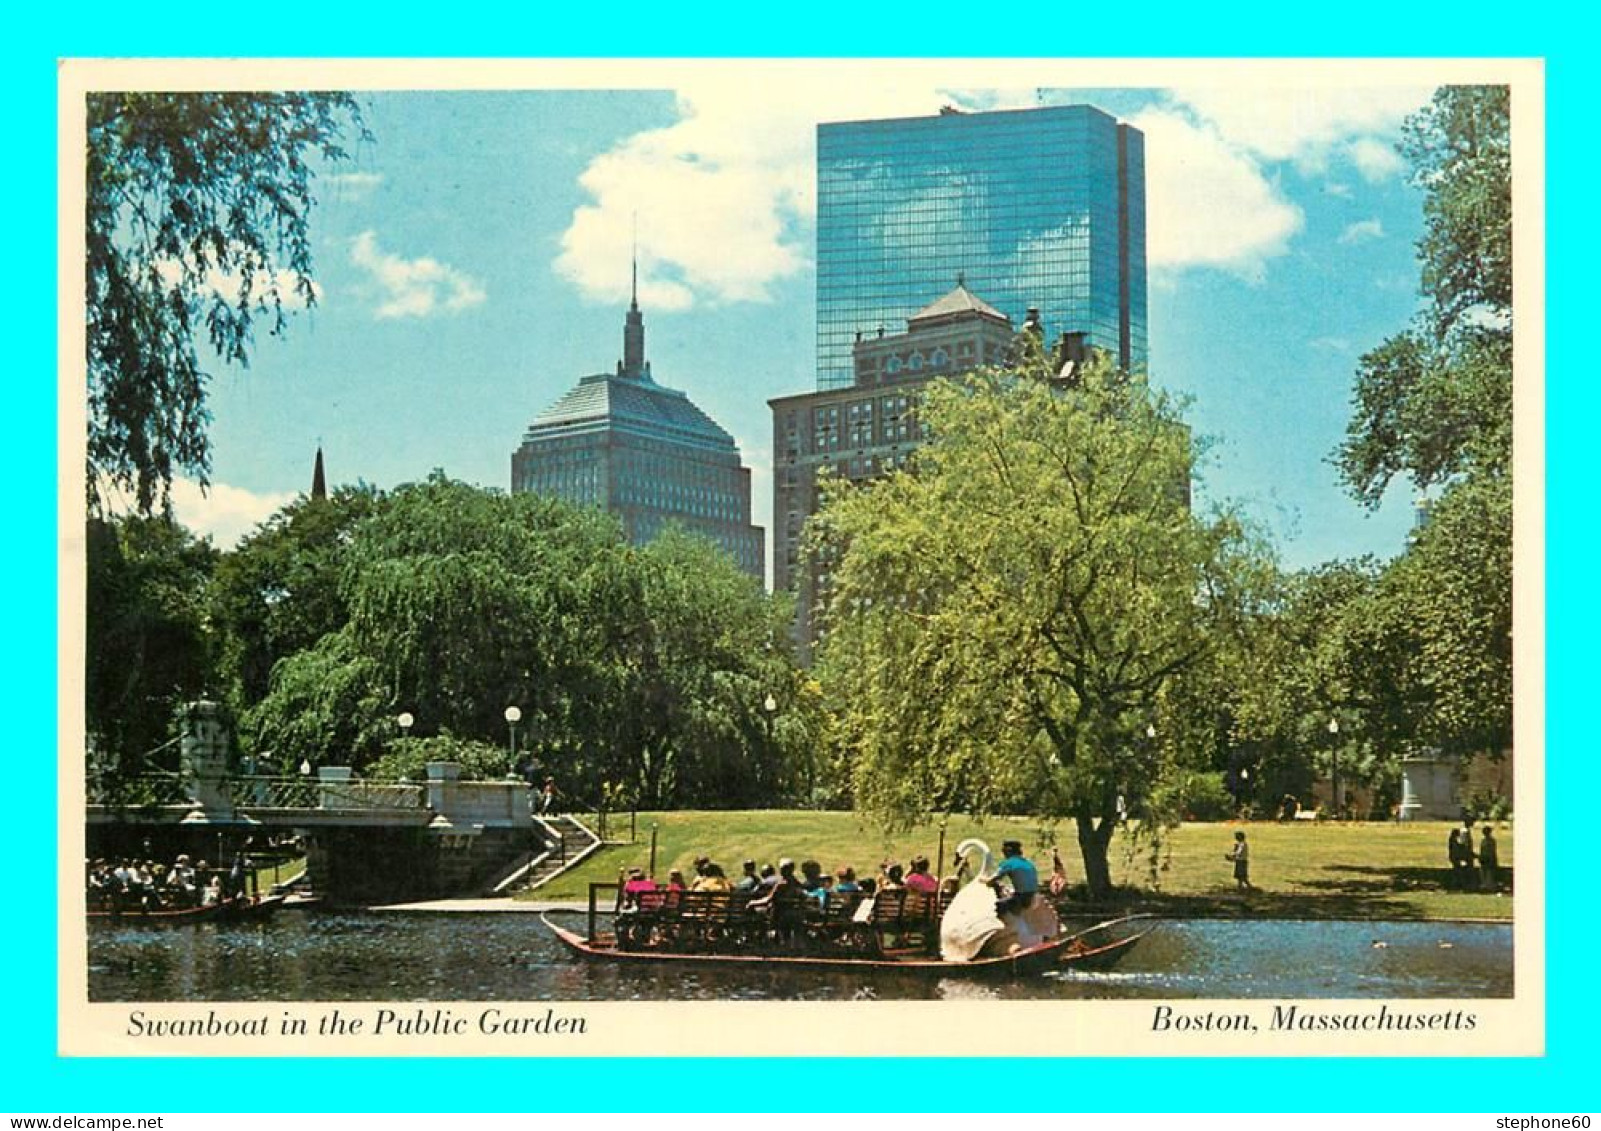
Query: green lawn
column 1302, row 869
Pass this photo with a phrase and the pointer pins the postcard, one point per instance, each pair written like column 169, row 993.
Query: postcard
column 796, row 557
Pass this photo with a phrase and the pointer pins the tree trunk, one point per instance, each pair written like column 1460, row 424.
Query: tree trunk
column 1093, row 842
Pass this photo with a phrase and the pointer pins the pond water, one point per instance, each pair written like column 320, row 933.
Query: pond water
column 330, row 956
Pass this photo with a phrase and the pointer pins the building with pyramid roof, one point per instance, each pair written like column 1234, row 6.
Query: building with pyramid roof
column 870, row 427
column 646, row 453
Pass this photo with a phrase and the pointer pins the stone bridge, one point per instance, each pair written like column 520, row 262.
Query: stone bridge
column 365, row 841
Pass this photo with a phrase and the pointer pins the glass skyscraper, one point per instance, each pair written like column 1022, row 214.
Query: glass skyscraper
column 1032, row 208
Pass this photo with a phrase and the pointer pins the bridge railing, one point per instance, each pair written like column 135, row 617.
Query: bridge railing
column 140, row 791
column 372, row 795
column 315, row 793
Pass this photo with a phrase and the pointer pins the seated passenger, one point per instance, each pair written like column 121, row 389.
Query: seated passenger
column 845, row 880
column 811, row 875
column 769, row 878
column 709, row 877
column 675, row 881
column 748, row 883
column 892, row 879
column 635, row 886
column 212, row 895
column 784, row 900
column 864, row 908
column 919, row 879
column 824, row 888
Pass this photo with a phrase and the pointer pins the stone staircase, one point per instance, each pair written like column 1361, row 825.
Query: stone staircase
column 569, row 841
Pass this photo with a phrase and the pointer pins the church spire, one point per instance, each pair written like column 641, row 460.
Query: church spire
column 319, row 483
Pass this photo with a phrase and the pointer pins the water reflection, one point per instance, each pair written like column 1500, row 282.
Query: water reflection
column 512, row 957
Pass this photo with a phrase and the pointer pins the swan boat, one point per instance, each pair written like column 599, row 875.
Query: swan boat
column 908, row 934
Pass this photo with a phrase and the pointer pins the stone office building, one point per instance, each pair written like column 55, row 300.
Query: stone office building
column 644, row 452
column 869, row 428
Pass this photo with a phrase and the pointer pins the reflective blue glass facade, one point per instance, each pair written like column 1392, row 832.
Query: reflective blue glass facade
column 1042, row 207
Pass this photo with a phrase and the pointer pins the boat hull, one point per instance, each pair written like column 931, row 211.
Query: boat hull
column 221, row 912
column 1085, row 950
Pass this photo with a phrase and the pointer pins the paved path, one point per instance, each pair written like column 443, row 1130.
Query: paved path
column 484, row 905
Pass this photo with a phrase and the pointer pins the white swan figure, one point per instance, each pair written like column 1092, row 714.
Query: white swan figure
column 970, row 928
column 970, row 920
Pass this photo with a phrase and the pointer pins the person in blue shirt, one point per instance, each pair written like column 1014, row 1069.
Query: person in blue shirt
column 1016, row 872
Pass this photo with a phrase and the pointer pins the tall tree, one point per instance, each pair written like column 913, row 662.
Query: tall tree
column 645, row 669
column 279, row 592
column 1435, row 401
column 197, row 224
column 695, row 652
column 1435, row 404
column 1006, row 619
column 148, row 644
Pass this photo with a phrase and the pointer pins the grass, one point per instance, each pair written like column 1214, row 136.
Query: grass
column 266, row 877
column 1301, row 869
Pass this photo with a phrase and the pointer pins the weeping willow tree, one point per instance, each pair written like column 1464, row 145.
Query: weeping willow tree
column 1007, row 617
column 644, row 670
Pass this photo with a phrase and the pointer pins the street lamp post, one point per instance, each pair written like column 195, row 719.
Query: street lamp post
column 1334, row 763
column 404, row 721
column 513, row 716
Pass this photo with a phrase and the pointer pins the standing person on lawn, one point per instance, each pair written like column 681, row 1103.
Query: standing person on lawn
column 1240, row 854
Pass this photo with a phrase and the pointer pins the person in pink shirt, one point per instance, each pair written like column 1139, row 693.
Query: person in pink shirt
column 919, row 879
column 636, row 886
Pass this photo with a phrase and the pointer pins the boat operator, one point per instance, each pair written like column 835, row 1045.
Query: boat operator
column 1020, row 873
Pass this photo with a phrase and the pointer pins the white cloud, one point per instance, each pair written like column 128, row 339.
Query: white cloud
column 1331, row 345
column 724, row 197
column 1304, row 125
column 230, row 285
column 413, row 288
column 1208, row 203
column 224, row 513
column 1362, row 231
column 1376, row 160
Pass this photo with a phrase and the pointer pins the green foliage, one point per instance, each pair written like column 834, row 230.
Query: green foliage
column 196, row 226
column 1460, row 150
column 408, row 758
column 1435, row 402
column 643, row 670
column 1006, row 619
column 329, row 706
column 1454, row 585
column 1193, row 795
column 692, row 656
column 146, row 638
column 278, row 592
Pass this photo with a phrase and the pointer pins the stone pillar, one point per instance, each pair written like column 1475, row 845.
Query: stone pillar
column 203, row 758
column 442, row 779
column 332, row 787
column 1429, row 789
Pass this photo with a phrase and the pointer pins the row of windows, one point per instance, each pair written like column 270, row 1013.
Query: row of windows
column 1063, row 202
column 1016, row 146
column 832, row 437
column 696, row 501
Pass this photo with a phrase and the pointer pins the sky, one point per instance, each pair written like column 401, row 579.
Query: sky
column 473, row 261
